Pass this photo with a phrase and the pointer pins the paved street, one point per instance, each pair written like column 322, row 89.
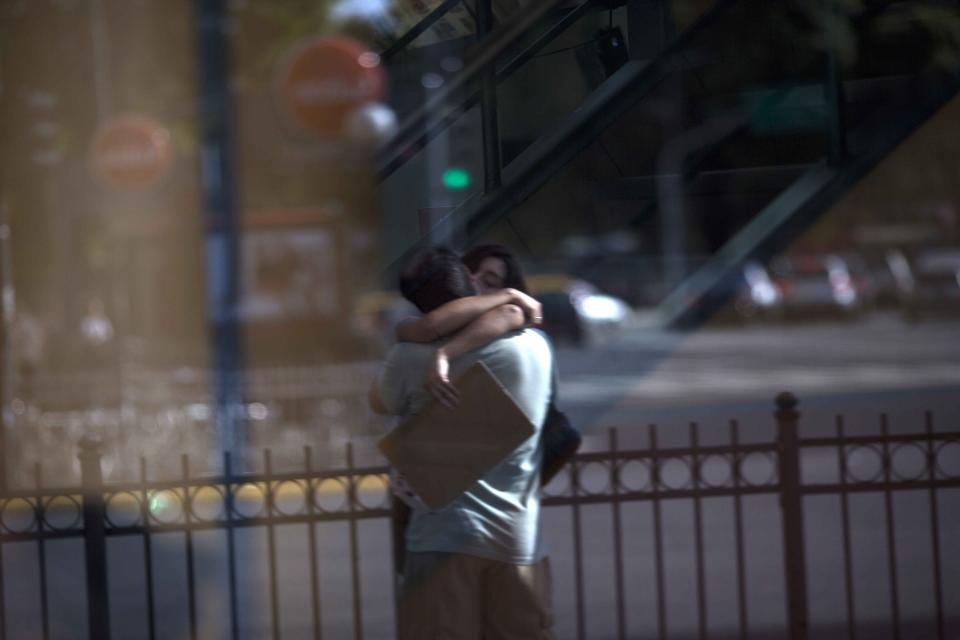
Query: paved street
column 713, row 375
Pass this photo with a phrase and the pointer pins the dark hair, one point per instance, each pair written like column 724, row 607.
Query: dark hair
column 433, row 277
column 514, row 274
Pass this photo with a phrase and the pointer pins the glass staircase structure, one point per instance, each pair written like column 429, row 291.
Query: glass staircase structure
column 724, row 141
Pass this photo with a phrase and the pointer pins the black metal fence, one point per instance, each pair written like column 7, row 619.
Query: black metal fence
column 233, row 504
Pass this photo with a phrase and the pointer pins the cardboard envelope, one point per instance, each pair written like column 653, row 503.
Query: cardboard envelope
column 441, row 451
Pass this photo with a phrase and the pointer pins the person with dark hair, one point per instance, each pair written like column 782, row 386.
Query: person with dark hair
column 497, row 305
column 472, row 322
column 476, row 568
column 494, row 266
column 434, row 277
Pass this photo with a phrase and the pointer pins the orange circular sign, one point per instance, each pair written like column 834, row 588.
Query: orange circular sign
column 326, row 79
column 131, row 152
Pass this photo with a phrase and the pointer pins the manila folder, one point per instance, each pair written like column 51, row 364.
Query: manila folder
column 442, row 451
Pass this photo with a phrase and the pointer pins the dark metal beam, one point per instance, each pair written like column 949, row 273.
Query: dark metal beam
column 428, row 21
column 546, row 156
column 546, row 38
column 401, row 153
column 441, row 107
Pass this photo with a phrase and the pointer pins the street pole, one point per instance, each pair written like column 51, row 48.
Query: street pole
column 488, row 106
column 222, row 241
column 101, row 60
column 6, row 350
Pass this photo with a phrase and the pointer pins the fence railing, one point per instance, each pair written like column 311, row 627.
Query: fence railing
column 355, row 561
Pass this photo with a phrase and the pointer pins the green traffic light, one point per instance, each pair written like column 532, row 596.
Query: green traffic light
column 456, row 179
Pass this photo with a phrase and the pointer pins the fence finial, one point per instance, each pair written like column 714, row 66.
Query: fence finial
column 91, row 475
column 786, row 401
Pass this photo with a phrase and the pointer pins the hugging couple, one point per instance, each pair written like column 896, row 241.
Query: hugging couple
column 475, row 569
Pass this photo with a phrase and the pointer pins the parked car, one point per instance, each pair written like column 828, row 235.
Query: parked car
column 744, row 294
column 753, row 294
column 879, row 269
column 820, row 285
column 929, row 283
column 575, row 311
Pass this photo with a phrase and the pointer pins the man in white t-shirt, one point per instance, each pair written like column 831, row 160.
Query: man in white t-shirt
column 474, row 569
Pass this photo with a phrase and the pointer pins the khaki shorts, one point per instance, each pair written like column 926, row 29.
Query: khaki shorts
column 450, row 596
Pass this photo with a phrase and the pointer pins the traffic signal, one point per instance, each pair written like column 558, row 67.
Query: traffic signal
column 457, row 179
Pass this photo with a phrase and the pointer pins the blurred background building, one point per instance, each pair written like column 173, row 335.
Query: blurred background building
column 203, row 202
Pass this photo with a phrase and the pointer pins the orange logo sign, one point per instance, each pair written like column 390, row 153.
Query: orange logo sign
column 131, row 152
column 327, row 78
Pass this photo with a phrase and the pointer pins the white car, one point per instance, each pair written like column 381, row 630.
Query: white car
column 576, row 311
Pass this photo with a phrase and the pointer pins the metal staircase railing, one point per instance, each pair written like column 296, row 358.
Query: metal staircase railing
column 802, row 203
column 547, row 155
column 418, row 29
column 848, row 152
column 446, row 105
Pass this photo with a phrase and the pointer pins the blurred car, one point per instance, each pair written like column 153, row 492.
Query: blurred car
column 929, row 283
column 820, row 285
column 870, row 280
column 879, row 270
column 575, row 311
column 754, row 295
column 744, row 294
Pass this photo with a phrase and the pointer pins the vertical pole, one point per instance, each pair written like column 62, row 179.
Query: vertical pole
column 42, row 556
column 6, row 351
column 99, row 39
column 845, row 524
column 656, row 486
column 312, row 532
column 488, row 105
column 738, row 532
column 147, row 552
column 617, row 534
column 650, row 29
column 791, row 504
column 95, row 539
column 353, row 504
column 222, row 247
column 230, row 509
column 271, row 548
column 702, row 622
column 188, row 545
column 891, row 530
column 3, row 599
column 6, row 370
column 833, row 90
column 399, row 520
column 934, row 523
column 577, row 549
